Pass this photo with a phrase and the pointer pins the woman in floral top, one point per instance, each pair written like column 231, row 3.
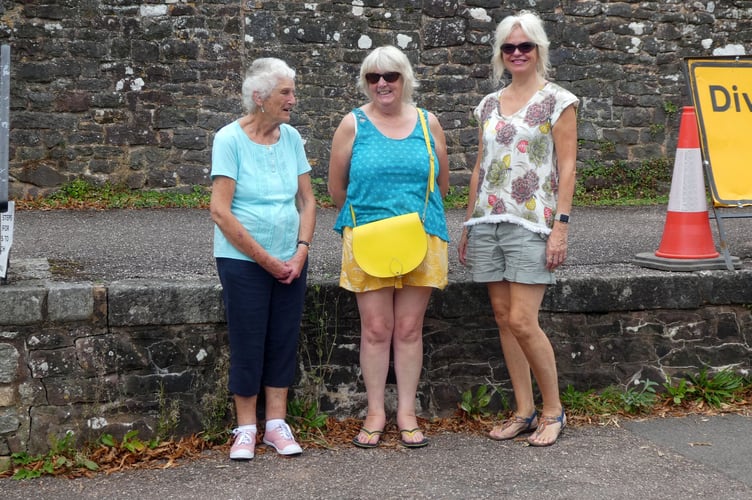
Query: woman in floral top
column 515, row 234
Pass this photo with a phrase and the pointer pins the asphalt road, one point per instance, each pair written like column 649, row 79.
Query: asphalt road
column 177, row 243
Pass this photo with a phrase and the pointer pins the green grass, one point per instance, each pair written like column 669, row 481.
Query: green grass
column 694, row 393
column 80, row 194
column 597, row 185
column 618, row 185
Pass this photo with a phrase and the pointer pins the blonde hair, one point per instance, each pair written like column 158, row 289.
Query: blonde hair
column 532, row 26
column 385, row 59
column 261, row 77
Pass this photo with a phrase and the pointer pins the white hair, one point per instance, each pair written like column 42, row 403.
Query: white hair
column 261, row 77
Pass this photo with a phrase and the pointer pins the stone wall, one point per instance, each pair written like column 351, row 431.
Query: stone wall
column 96, row 358
column 132, row 92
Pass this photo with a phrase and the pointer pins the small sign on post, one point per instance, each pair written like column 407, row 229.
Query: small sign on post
column 6, row 239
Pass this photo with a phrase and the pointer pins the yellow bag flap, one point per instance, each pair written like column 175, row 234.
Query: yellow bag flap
column 390, row 247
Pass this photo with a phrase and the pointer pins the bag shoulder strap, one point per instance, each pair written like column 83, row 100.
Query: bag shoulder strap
column 431, row 160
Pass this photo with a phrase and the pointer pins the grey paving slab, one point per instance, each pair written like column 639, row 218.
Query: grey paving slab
column 723, row 443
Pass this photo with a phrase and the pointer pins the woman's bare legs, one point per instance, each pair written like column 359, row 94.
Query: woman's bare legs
column 410, row 305
column 392, row 317
column 526, row 347
column 245, row 408
column 376, row 327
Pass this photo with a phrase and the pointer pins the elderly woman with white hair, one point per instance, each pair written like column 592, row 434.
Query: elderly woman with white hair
column 379, row 168
column 264, row 211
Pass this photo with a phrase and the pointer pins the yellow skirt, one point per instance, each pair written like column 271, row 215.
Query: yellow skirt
column 431, row 272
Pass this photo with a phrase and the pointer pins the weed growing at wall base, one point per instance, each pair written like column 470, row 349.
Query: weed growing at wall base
column 61, row 457
column 107, row 455
column 318, row 338
column 169, row 415
column 474, row 404
column 693, row 392
column 308, row 421
column 215, row 405
column 721, row 388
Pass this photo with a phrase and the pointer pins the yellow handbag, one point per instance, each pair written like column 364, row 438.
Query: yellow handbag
column 390, row 247
column 394, row 246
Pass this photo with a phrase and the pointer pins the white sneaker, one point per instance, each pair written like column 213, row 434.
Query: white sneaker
column 244, row 446
column 282, row 440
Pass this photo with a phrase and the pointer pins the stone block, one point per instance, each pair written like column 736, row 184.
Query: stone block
column 69, row 302
column 7, row 396
column 152, row 384
column 133, row 303
column 48, row 363
column 66, row 390
column 444, row 32
column 624, row 293
column 109, row 354
column 22, row 304
column 9, row 421
column 190, row 139
column 56, row 335
column 8, row 363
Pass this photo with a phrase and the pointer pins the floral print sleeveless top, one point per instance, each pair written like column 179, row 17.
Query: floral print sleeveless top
column 518, row 178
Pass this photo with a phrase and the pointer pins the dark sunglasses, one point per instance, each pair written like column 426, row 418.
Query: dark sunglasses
column 389, row 77
column 524, row 47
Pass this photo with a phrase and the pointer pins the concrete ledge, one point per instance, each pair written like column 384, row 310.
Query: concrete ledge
column 629, row 288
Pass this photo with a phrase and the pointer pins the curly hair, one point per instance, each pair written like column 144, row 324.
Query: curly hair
column 261, row 77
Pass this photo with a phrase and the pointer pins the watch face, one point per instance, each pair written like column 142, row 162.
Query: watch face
column 562, row 218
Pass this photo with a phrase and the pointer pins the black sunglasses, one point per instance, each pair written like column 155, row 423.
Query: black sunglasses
column 389, row 77
column 524, row 47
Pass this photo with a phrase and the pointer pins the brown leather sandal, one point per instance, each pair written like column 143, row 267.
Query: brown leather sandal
column 545, row 421
column 525, row 425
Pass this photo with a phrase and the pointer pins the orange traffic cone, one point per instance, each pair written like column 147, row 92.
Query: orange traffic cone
column 687, row 243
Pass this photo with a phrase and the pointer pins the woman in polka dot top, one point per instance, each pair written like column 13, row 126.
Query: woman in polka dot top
column 379, row 167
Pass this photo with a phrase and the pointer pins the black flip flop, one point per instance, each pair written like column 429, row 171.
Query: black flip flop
column 410, row 444
column 370, row 434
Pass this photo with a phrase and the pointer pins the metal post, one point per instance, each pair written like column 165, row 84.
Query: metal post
column 4, row 124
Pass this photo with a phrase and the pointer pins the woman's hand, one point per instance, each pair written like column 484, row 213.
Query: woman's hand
column 556, row 247
column 295, row 265
column 462, row 247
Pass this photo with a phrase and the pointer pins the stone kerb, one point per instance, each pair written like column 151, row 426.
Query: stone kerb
column 139, row 302
column 96, row 358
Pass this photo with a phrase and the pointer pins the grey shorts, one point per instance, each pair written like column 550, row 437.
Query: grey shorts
column 507, row 252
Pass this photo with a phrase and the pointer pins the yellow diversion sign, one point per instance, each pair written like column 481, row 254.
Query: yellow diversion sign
column 721, row 89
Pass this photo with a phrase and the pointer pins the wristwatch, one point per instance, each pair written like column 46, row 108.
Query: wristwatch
column 563, row 218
